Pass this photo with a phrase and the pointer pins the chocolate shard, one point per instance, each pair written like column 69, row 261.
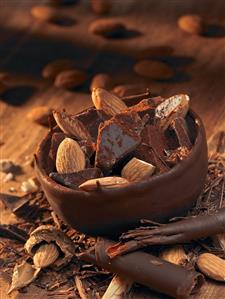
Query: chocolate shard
column 56, row 139
column 152, row 148
column 146, row 269
column 16, row 203
column 11, row 231
column 179, row 126
column 73, row 180
column 117, row 137
column 144, row 107
column 177, row 155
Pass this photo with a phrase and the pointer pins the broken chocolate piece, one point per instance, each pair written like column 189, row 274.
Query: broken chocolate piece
column 179, row 126
column 11, row 231
column 177, row 155
column 73, row 180
column 117, row 137
column 148, row 270
column 144, row 107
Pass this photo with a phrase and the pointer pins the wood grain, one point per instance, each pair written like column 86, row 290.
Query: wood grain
column 27, row 45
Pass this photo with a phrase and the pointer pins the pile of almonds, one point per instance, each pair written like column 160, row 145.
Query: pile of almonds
column 113, row 145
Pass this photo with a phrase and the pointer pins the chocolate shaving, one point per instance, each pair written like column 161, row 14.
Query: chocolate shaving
column 182, row 231
column 148, row 270
column 11, row 231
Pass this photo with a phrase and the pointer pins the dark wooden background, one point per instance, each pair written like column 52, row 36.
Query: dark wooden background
column 27, row 45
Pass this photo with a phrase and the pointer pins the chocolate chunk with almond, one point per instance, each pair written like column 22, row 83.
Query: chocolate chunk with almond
column 117, row 137
column 73, row 180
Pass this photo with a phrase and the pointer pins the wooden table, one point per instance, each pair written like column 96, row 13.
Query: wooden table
column 27, row 45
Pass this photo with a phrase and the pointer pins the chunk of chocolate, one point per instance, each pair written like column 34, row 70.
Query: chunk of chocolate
column 144, row 107
column 56, row 139
column 117, row 137
column 179, row 126
column 73, row 180
column 177, row 155
column 152, row 148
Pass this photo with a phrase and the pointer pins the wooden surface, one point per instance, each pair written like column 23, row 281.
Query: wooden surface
column 26, row 46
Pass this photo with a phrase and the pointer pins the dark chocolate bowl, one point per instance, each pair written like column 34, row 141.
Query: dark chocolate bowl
column 112, row 211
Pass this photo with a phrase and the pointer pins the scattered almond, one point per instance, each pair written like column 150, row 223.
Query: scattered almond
column 153, row 69
column 7, row 165
column 105, row 183
column 175, row 255
column 45, row 255
column 40, row 115
column 102, row 81
column 100, row 7
column 30, row 185
column 137, row 170
column 51, row 70
column 71, row 125
column 212, row 266
column 70, row 157
column 109, row 103
column 107, row 27
column 8, row 177
column 191, row 24
column 43, row 13
column 171, row 108
column 70, row 79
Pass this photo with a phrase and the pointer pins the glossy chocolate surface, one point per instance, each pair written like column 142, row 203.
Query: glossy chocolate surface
column 112, row 211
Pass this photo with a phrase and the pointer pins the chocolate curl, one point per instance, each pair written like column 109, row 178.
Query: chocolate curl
column 172, row 233
column 148, row 270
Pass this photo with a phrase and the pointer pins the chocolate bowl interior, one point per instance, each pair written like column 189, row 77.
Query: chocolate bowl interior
column 111, row 212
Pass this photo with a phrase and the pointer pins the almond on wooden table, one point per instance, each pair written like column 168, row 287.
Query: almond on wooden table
column 40, row 115
column 191, row 23
column 107, row 102
column 101, row 80
column 212, row 266
column 153, row 69
column 137, row 170
column 45, row 255
column 70, row 157
column 175, row 255
column 43, row 13
column 107, row 27
column 104, row 183
column 70, row 79
column 54, row 67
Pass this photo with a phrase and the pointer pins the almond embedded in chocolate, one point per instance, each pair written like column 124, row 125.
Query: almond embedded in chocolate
column 117, row 137
column 111, row 182
column 179, row 126
column 171, row 108
column 73, row 180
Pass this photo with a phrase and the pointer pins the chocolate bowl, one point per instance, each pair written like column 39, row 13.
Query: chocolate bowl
column 107, row 212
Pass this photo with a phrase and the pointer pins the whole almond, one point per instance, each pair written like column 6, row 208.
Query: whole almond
column 153, row 69
column 219, row 240
column 100, row 7
column 191, row 23
column 137, row 170
column 104, row 183
column 70, row 157
column 212, row 266
column 51, row 70
column 45, row 255
column 107, row 28
column 43, row 13
column 171, row 108
column 70, row 79
column 71, row 125
column 107, row 102
column 175, row 255
column 40, row 115
column 102, row 81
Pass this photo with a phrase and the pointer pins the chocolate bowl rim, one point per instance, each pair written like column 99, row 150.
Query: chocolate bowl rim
column 111, row 193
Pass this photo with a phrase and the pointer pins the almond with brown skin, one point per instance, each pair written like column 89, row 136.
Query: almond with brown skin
column 107, row 28
column 212, row 266
column 45, row 255
column 101, row 7
column 70, row 157
column 43, row 13
column 71, row 125
column 70, row 79
column 102, row 81
column 40, row 115
column 107, row 102
column 175, row 255
column 137, row 170
column 104, row 183
column 153, row 69
column 191, row 23
column 51, row 70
